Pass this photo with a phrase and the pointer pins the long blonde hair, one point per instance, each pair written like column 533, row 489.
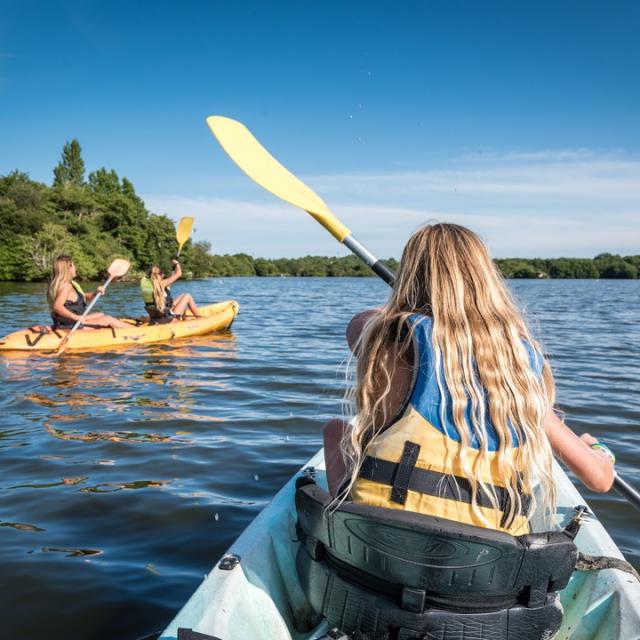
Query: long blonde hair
column 479, row 339
column 61, row 276
column 159, row 292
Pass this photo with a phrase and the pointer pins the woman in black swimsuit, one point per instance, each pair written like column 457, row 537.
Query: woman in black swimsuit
column 68, row 301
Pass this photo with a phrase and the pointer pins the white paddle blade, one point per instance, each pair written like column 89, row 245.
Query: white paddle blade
column 118, row 268
column 243, row 148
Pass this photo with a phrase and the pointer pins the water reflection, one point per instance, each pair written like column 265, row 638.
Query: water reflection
column 77, row 391
column 110, row 487
column 72, row 553
column 111, row 436
column 21, row 526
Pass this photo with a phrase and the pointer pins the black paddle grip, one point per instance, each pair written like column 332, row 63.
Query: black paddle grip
column 381, row 269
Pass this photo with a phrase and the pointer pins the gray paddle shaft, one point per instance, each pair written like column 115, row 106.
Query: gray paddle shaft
column 626, row 491
column 377, row 266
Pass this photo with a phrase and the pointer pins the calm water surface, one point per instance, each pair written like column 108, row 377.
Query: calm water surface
column 126, row 474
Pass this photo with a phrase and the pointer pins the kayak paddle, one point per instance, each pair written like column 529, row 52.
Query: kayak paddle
column 116, row 270
column 243, row 148
column 626, row 491
column 263, row 168
column 183, row 231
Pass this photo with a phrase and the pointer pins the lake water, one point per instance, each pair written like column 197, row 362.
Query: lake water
column 125, row 475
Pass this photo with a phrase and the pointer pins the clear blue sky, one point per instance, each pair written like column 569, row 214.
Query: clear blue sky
column 520, row 119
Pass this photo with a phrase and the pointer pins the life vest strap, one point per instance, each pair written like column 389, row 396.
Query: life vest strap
column 432, row 483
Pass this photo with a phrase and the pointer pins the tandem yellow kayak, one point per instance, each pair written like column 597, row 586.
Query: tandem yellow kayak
column 214, row 317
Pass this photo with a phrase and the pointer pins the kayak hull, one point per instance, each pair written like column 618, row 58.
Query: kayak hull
column 214, row 317
column 260, row 597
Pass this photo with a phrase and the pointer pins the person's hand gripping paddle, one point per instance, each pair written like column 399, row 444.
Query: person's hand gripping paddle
column 116, row 270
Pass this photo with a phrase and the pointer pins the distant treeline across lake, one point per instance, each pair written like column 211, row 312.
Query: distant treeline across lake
column 98, row 217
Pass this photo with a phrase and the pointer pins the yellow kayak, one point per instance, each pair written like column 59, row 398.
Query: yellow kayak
column 214, row 317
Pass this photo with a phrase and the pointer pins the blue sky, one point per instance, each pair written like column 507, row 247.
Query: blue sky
column 519, row 119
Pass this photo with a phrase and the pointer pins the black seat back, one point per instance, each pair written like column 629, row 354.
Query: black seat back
column 392, row 550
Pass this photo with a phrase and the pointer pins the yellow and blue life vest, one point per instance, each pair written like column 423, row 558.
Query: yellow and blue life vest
column 415, row 465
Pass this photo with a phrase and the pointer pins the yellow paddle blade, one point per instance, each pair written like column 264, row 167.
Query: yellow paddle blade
column 183, row 231
column 263, row 168
column 118, row 268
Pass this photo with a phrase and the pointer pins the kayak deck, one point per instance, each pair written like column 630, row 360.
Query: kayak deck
column 214, row 317
column 260, row 597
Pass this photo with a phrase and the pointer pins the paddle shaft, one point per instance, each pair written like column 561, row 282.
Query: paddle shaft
column 626, row 491
column 179, row 250
column 377, row 266
column 80, row 322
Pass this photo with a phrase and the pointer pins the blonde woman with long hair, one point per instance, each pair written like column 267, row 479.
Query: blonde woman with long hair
column 68, row 301
column 451, row 382
column 159, row 302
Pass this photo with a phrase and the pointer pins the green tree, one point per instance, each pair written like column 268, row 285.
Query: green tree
column 52, row 240
column 70, row 170
column 12, row 263
column 198, row 259
column 265, row 267
column 104, row 182
column 619, row 270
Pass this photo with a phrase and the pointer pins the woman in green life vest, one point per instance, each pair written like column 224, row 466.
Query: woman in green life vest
column 159, row 302
column 68, row 301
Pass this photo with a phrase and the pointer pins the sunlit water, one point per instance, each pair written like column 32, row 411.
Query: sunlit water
column 125, row 474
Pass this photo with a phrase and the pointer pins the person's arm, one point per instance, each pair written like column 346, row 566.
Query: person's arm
column 177, row 273
column 58, row 306
column 592, row 466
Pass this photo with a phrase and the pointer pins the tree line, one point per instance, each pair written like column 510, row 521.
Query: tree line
column 604, row 265
column 93, row 218
column 99, row 216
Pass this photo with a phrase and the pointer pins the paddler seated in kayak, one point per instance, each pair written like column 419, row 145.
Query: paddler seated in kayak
column 68, row 301
column 450, row 380
column 158, row 300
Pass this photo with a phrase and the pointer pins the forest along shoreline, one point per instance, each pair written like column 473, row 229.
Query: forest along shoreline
column 98, row 217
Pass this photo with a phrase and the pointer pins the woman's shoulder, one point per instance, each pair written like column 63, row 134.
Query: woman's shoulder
column 66, row 288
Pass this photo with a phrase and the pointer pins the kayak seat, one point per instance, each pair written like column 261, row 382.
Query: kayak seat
column 389, row 574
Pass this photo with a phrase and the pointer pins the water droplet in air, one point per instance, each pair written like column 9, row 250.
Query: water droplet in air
column 256, row 477
column 216, row 517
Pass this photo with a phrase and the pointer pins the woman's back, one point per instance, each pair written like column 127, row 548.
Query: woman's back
column 471, row 439
column 415, row 462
